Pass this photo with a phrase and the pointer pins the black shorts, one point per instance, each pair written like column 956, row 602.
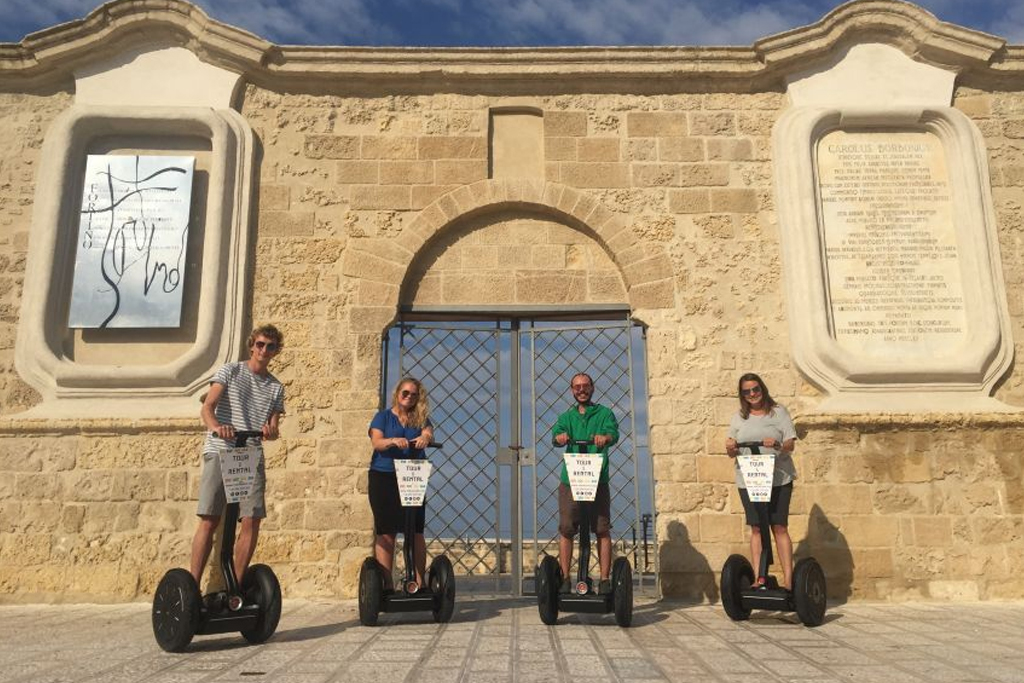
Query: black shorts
column 778, row 508
column 386, row 503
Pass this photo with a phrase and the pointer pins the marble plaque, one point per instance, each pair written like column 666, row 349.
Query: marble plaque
column 893, row 263
column 132, row 235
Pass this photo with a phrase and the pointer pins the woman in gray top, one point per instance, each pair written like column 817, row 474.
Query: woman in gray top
column 763, row 420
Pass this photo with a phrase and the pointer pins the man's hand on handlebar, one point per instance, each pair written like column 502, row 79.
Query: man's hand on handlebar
column 561, row 439
column 270, row 432
column 601, row 440
column 226, row 432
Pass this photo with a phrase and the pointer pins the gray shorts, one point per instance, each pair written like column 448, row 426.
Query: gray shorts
column 211, row 491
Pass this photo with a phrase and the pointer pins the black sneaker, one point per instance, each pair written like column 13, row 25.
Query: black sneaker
column 605, row 587
column 566, row 587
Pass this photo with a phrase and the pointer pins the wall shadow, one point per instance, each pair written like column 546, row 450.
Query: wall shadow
column 827, row 544
column 686, row 573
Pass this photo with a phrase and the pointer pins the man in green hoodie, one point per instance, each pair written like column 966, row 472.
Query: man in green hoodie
column 585, row 421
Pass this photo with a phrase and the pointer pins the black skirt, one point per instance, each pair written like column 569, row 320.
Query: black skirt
column 386, row 503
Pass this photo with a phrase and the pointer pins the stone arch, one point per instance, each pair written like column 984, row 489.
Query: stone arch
column 646, row 269
column 381, row 265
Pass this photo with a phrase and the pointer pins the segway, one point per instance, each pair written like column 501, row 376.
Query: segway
column 739, row 596
column 584, row 473
column 438, row 596
column 252, row 608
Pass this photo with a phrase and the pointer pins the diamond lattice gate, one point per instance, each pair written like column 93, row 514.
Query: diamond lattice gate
column 495, row 390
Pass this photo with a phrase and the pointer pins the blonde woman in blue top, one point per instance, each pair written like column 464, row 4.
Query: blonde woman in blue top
column 401, row 431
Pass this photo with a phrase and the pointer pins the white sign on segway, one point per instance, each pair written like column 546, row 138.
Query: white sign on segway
column 412, row 480
column 238, row 467
column 758, row 473
column 584, row 471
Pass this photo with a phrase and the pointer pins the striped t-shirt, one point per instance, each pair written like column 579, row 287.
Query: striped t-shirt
column 247, row 402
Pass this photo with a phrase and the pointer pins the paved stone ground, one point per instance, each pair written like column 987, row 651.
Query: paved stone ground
column 502, row 640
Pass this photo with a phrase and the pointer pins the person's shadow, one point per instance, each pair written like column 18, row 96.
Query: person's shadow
column 827, row 544
column 685, row 573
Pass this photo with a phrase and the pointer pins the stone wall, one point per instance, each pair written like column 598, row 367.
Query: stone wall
column 661, row 201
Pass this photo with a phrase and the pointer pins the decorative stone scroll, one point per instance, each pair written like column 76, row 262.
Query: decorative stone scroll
column 892, row 266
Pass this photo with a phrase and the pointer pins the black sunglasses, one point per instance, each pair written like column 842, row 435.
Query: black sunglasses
column 269, row 346
column 751, row 391
column 407, row 394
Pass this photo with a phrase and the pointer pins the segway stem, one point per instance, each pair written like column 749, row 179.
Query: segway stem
column 764, row 523
column 227, row 545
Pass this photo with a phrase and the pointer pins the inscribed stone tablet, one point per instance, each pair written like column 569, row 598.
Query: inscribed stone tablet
column 893, row 263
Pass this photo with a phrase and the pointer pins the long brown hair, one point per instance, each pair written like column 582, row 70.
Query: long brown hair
column 421, row 413
column 766, row 398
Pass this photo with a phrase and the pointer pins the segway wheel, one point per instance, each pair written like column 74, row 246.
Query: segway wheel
column 737, row 575
column 262, row 589
column 371, row 592
column 809, row 593
column 549, row 579
column 176, row 606
column 441, row 579
column 622, row 592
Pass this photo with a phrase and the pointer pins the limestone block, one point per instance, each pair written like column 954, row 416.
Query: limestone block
column 406, row 172
column 37, row 486
column 655, row 175
column 734, row 201
column 598, row 149
column 140, row 486
column 716, row 469
column 331, row 147
column 872, row 562
column 106, row 518
column 72, row 517
column 720, row 528
column 274, row 197
column 1014, row 128
column 362, row 264
column 689, row 201
column 388, row 147
column 595, row 175
column 652, row 295
column 736, row 149
column 711, row 124
column 425, row 195
column 485, row 288
column 460, row 172
column 358, row 172
column 560, row 149
column 25, row 549
column 565, row 124
column 381, row 197
column 452, row 147
column 704, row 175
column 895, row 498
column 32, row 455
column 88, row 485
column 680, row 149
column 656, row 124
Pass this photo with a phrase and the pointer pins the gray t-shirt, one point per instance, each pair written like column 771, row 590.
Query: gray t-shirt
column 778, row 425
column 247, row 402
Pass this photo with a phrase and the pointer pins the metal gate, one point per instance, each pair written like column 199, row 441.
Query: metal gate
column 496, row 388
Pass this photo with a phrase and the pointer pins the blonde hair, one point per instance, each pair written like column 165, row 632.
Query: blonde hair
column 421, row 413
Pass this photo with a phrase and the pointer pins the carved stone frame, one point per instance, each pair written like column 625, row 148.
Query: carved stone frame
column 959, row 380
column 160, row 389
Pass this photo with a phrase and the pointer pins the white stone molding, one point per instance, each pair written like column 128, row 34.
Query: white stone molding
column 958, row 373
column 157, row 77
column 160, row 389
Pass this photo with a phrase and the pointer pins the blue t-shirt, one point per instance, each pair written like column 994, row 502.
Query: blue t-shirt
column 387, row 422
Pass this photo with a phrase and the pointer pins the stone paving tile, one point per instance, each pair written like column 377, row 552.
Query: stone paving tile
column 503, row 640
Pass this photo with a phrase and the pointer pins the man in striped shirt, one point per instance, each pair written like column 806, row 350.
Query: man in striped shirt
column 246, row 397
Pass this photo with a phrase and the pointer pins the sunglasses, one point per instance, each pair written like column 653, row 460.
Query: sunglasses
column 269, row 346
column 408, row 394
column 751, row 391
column 581, row 387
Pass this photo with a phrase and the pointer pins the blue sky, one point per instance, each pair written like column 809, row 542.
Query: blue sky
column 518, row 22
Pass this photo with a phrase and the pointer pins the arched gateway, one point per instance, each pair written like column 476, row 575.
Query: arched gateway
column 508, row 299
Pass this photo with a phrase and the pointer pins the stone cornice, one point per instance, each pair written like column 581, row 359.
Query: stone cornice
column 901, row 24
column 122, row 24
